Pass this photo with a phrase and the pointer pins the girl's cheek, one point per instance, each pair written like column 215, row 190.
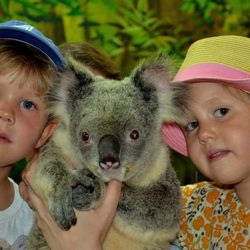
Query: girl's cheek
column 190, row 143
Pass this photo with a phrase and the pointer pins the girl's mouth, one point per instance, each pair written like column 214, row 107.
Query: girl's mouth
column 216, row 155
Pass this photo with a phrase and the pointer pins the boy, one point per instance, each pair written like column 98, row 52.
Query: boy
column 28, row 62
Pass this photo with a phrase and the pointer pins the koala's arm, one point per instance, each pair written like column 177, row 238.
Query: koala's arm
column 62, row 187
column 53, row 180
column 157, row 206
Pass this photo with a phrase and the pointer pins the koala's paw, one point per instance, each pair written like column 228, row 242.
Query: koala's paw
column 62, row 211
column 88, row 190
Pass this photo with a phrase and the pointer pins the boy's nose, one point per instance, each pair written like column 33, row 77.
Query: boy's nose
column 7, row 116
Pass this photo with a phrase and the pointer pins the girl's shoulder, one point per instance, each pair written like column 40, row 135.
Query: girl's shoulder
column 212, row 217
column 207, row 190
column 200, row 188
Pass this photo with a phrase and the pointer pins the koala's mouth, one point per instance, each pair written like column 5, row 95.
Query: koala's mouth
column 109, row 164
column 120, row 173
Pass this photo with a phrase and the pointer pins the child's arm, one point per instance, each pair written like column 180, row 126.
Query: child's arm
column 91, row 228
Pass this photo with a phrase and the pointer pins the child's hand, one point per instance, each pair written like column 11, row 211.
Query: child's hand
column 91, row 228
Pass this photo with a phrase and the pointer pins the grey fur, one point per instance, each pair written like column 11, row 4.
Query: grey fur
column 123, row 121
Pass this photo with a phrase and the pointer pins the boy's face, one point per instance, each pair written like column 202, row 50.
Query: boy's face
column 218, row 133
column 22, row 121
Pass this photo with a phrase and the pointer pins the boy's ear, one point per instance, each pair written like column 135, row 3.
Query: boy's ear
column 47, row 132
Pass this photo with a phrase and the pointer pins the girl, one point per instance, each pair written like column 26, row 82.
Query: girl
column 216, row 214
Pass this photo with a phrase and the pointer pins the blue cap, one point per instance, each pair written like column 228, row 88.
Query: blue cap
column 25, row 33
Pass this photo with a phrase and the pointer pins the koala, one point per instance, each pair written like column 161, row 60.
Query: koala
column 109, row 129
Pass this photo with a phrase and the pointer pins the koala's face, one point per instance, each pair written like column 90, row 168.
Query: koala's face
column 114, row 125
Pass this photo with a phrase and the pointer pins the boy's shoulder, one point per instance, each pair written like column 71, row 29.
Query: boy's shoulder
column 18, row 208
column 15, row 222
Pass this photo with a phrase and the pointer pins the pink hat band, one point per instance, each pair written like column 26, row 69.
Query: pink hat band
column 215, row 72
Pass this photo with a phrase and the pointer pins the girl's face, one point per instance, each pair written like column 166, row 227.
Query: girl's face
column 22, row 121
column 218, row 133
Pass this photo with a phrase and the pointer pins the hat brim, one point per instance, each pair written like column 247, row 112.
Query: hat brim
column 220, row 73
column 173, row 136
column 36, row 40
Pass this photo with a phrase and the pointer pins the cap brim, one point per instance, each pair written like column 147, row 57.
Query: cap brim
column 25, row 36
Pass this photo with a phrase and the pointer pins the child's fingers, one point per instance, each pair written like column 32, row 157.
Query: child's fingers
column 25, row 186
column 26, row 177
column 27, row 194
column 106, row 212
column 42, row 215
column 29, row 172
column 112, row 194
column 38, row 204
column 23, row 191
column 108, row 207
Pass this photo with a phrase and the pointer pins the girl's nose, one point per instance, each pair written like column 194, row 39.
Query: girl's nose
column 207, row 132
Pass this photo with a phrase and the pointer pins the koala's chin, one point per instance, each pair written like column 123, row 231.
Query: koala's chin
column 111, row 174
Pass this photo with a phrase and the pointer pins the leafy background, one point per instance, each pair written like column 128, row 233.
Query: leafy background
column 129, row 30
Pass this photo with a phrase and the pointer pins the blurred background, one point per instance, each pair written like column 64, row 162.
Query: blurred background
column 129, row 30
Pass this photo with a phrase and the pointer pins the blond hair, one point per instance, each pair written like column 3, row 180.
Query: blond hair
column 23, row 64
column 238, row 93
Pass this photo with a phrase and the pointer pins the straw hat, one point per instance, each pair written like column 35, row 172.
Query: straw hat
column 221, row 59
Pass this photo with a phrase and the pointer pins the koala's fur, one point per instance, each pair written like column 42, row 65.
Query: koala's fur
column 107, row 130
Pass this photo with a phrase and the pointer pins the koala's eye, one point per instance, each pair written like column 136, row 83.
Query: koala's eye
column 85, row 137
column 134, row 135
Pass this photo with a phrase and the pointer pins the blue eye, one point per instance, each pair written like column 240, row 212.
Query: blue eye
column 28, row 105
column 191, row 126
column 221, row 112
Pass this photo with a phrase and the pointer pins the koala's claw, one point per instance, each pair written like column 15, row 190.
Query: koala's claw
column 63, row 213
column 87, row 191
column 81, row 196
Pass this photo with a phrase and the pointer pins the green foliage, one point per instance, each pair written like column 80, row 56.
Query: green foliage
column 130, row 30
column 4, row 10
column 138, row 34
column 204, row 10
column 15, row 173
column 231, row 15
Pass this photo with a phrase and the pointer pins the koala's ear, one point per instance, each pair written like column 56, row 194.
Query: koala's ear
column 153, row 79
column 75, row 79
column 153, row 74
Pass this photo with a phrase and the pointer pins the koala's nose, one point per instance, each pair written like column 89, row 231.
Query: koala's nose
column 109, row 151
